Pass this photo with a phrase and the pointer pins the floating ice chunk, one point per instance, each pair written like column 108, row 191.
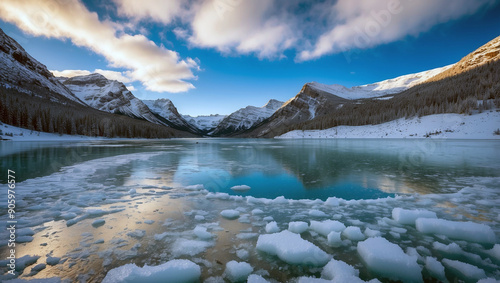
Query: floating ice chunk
column 237, row 271
column 408, row 217
column 68, row 215
column 272, row 227
column 317, row 213
column 353, row 233
column 435, row 268
column 495, row 251
column 25, row 232
column 243, row 254
column 334, row 239
column 339, row 271
column 268, row 218
column 24, row 239
column 197, row 187
column 223, row 196
column 291, row 248
column 199, row 217
column 389, row 260
column 332, row 201
column 468, row 231
column 257, row 211
column 201, row 232
column 372, row 233
column 53, row 260
column 98, row 222
column 488, row 280
column 132, row 191
column 161, row 236
column 175, row 271
column 137, row 233
column 304, row 279
column 468, row 271
column 230, row 214
column 298, row 227
column 254, row 278
column 23, row 262
column 280, row 200
column 240, row 188
column 189, row 247
column 325, row 227
column 149, row 221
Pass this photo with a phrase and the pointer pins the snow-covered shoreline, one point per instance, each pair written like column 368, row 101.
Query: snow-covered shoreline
column 441, row 126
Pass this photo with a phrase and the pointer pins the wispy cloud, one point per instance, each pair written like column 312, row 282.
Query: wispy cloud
column 158, row 68
column 110, row 75
column 366, row 23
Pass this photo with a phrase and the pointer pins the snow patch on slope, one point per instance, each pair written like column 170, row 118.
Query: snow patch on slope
column 455, row 126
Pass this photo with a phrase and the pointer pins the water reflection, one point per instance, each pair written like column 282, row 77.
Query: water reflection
column 350, row 169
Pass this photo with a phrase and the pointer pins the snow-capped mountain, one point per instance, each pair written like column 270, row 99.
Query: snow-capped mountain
column 307, row 104
column 205, row 122
column 166, row 109
column 382, row 88
column 485, row 54
column 245, row 118
column 316, row 99
column 21, row 71
column 110, row 96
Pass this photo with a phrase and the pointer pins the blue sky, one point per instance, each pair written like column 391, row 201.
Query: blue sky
column 216, row 56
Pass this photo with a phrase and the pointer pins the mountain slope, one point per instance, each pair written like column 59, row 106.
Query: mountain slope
column 20, row 71
column 472, row 84
column 205, row 123
column 307, row 104
column 390, row 86
column 245, row 118
column 166, row 109
column 109, row 96
column 483, row 55
column 32, row 98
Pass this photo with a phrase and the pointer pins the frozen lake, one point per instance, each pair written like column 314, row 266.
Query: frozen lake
column 85, row 208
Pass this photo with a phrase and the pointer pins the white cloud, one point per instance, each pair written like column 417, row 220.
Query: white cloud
column 159, row 10
column 110, row 75
column 158, row 68
column 242, row 27
column 70, row 73
column 366, row 23
column 131, row 88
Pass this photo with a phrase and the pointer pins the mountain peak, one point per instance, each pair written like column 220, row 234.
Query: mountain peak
column 273, row 104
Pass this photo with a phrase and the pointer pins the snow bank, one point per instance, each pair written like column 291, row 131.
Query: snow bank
column 174, row 271
column 468, row 231
column 237, row 271
column 291, row 248
column 389, row 260
column 450, row 126
column 408, row 217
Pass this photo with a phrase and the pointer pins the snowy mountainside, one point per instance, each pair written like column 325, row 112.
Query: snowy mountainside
column 166, row 109
column 247, row 117
column 486, row 54
column 21, row 71
column 109, row 96
column 306, row 105
column 390, row 86
column 205, row 122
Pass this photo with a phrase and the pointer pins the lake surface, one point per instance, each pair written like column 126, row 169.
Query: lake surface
column 171, row 186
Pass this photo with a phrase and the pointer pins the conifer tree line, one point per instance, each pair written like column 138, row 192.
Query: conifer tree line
column 40, row 113
column 475, row 90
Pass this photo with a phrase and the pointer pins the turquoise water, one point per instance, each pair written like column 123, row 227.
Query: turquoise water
column 297, row 169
